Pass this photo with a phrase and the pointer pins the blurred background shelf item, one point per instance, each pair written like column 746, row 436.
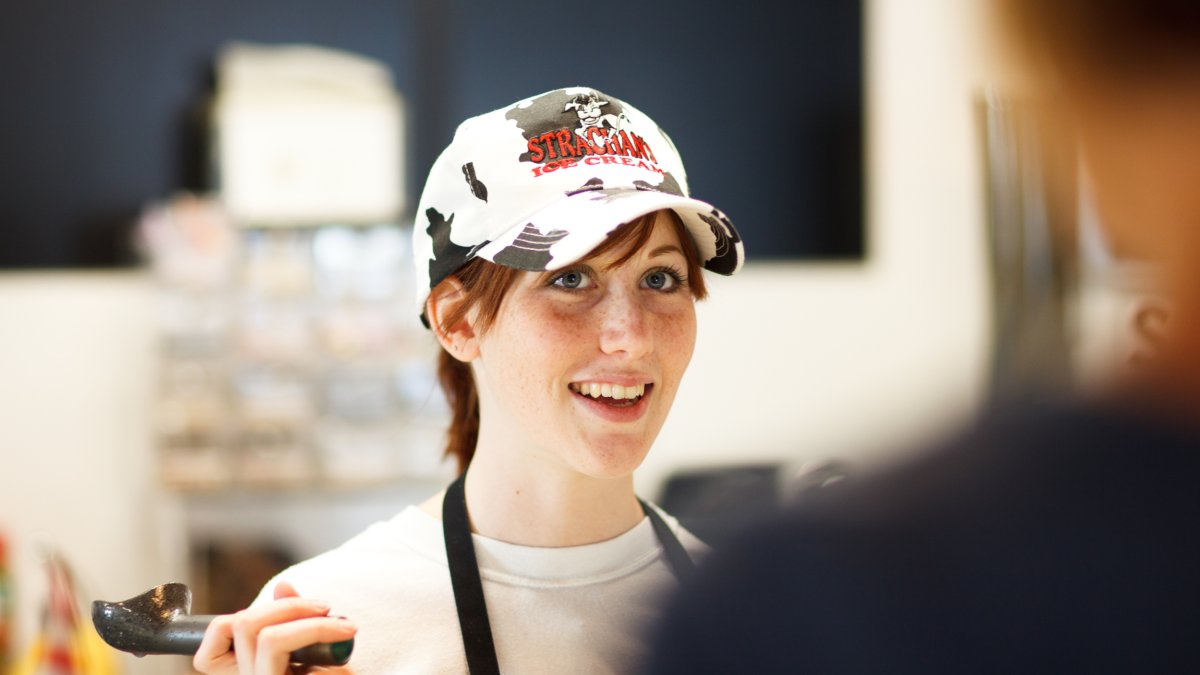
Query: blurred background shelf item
column 307, row 136
column 301, row 362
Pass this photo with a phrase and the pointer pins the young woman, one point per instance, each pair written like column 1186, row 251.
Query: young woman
column 559, row 259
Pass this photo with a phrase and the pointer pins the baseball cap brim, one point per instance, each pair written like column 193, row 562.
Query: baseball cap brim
column 567, row 230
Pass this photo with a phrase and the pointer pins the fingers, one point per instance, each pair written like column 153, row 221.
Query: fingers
column 277, row 642
column 260, row 640
column 249, row 623
column 285, row 590
column 215, row 653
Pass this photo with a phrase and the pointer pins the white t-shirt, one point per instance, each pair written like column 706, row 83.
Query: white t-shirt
column 578, row 609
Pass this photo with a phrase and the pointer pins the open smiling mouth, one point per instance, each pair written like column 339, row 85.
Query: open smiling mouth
column 613, row 395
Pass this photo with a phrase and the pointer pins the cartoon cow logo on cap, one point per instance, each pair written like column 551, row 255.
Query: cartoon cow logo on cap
column 588, row 108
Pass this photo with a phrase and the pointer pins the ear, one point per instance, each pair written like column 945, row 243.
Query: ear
column 459, row 339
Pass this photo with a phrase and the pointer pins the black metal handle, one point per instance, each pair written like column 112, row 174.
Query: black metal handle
column 158, row 622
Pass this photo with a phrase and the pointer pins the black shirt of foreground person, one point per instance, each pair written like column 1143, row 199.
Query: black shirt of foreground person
column 1059, row 542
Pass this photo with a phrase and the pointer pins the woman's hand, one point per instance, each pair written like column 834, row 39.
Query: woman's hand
column 259, row 640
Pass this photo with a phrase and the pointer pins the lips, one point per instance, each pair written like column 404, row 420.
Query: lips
column 611, row 401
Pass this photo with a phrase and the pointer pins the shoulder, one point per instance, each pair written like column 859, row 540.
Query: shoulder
column 406, row 549
column 392, row 581
column 1010, row 464
column 1016, row 477
column 1016, row 521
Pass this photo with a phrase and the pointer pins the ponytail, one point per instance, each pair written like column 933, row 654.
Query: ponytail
column 459, row 387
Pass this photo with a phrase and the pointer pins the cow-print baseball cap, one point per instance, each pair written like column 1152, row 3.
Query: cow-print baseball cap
column 537, row 185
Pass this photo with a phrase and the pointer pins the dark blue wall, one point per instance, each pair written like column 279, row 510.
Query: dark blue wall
column 98, row 100
column 763, row 104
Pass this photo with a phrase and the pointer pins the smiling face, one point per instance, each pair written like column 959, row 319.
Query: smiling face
column 588, row 116
column 581, row 365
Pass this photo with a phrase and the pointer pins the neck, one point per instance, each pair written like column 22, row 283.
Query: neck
column 538, row 502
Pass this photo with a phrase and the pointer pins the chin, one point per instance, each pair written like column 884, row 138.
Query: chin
column 611, row 458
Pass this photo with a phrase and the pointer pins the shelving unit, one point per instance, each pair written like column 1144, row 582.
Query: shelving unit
column 297, row 398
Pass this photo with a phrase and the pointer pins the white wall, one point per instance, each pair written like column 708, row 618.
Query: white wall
column 77, row 358
column 793, row 361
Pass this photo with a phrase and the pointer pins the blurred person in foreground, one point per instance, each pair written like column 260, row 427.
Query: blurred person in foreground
column 1061, row 540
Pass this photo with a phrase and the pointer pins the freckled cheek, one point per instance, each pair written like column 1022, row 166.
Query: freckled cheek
column 676, row 339
column 551, row 346
column 557, row 330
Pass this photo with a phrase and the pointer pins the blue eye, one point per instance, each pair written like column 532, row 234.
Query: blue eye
column 572, row 280
column 662, row 280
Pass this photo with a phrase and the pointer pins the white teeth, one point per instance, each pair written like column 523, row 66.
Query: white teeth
column 616, row 392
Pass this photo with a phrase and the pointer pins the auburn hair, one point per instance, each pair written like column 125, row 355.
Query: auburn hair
column 1111, row 37
column 484, row 286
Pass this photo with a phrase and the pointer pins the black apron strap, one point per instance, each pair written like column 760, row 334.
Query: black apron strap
column 468, row 585
column 677, row 556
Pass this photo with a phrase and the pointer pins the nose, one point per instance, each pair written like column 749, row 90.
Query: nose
column 624, row 325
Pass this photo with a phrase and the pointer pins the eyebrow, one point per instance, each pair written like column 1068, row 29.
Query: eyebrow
column 663, row 250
